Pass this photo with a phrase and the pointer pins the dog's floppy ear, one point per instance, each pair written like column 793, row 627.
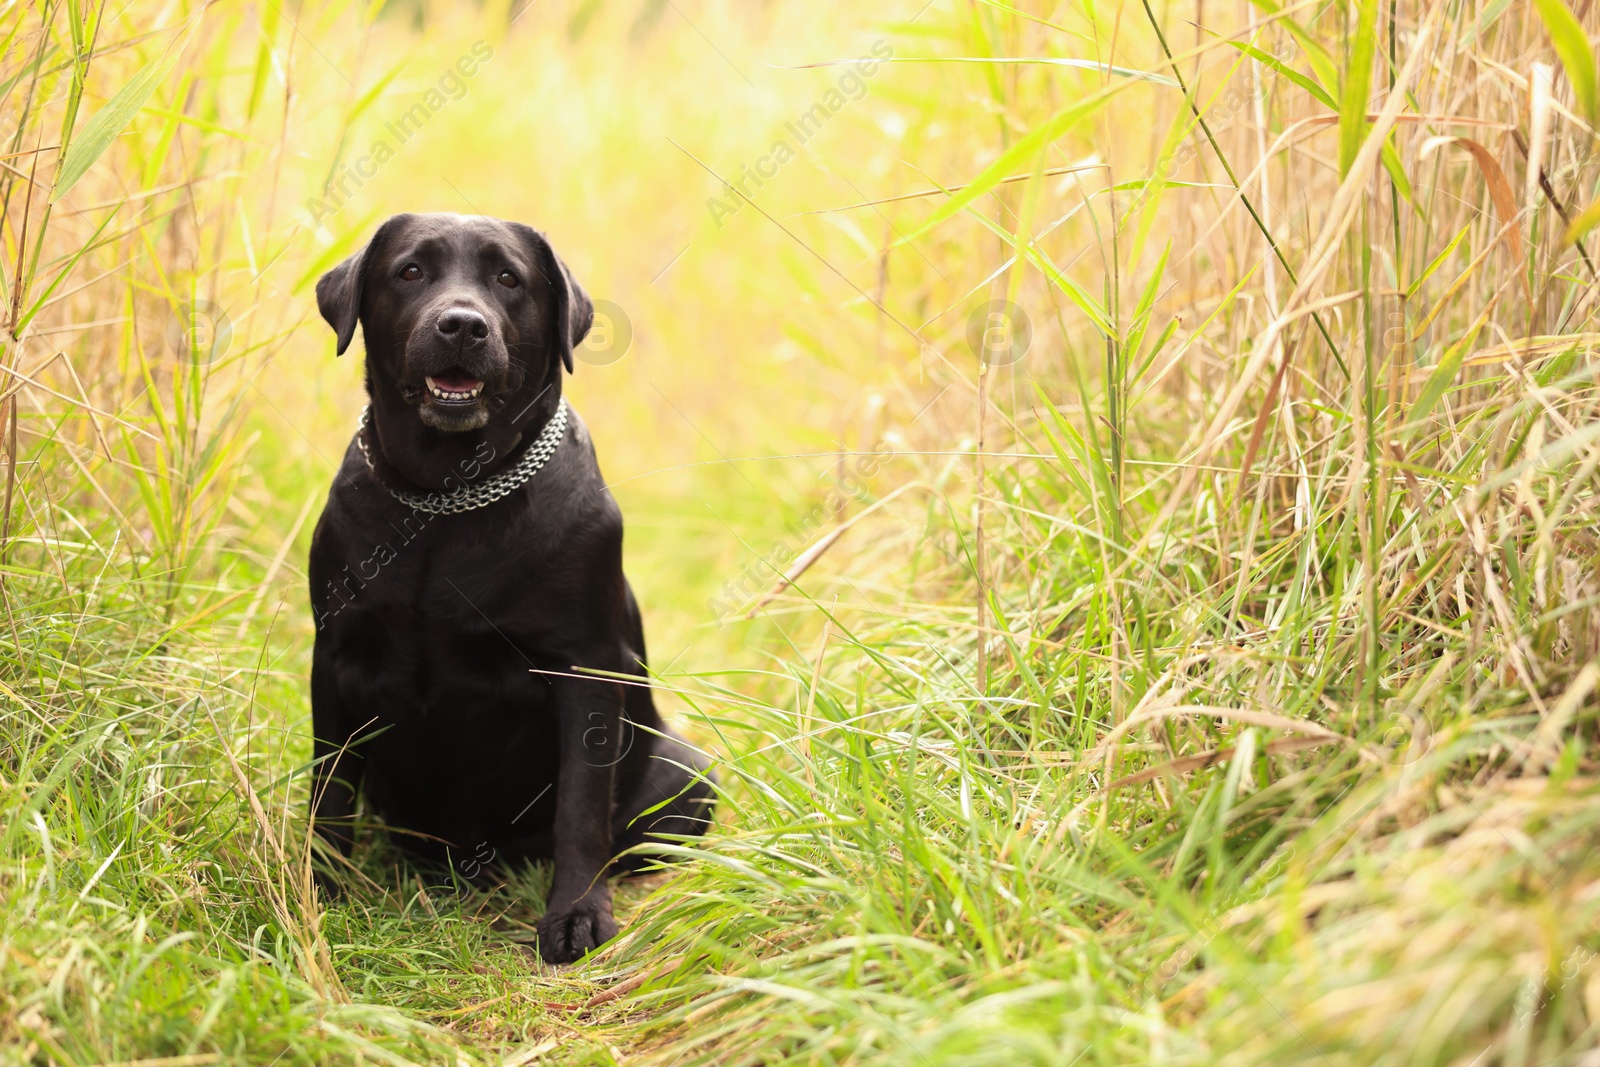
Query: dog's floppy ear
column 339, row 290
column 574, row 311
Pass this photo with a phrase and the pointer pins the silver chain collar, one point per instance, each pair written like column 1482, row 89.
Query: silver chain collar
column 472, row 496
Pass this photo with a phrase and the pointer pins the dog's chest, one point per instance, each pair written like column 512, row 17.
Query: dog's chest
column 430, row 611
column 455, row 702
column 467, row 569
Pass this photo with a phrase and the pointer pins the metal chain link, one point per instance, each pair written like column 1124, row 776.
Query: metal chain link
column 470, row 497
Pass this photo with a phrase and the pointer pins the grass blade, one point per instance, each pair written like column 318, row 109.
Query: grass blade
column 1357, row 84
column 105, row 125
column 1572, row 45
column 1271, row 62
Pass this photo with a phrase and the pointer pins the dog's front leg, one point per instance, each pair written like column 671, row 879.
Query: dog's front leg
column 578, row 917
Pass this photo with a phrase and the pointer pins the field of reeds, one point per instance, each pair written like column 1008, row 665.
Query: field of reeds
column 1114, row 484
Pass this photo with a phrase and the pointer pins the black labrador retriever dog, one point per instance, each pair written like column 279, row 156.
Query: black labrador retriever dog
column 479, row 672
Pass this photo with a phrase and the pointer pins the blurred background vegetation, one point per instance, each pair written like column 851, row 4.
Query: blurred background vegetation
column 1115, row 488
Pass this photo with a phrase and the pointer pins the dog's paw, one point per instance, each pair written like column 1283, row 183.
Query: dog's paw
column 570, row 933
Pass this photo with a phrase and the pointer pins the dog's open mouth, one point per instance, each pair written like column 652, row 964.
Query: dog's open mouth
column 454, row 387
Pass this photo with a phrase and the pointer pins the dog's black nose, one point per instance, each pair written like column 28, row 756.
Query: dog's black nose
column 463, row 324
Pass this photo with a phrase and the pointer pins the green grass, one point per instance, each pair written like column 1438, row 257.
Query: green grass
column 1217, row 684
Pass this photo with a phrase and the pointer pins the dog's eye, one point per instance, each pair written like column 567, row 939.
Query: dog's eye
column 411, row 272
column 507, row 279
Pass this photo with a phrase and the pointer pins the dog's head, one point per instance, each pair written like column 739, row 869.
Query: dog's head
column 462, row 315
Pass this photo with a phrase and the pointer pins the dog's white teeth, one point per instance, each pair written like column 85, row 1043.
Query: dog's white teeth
column 454, row 394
